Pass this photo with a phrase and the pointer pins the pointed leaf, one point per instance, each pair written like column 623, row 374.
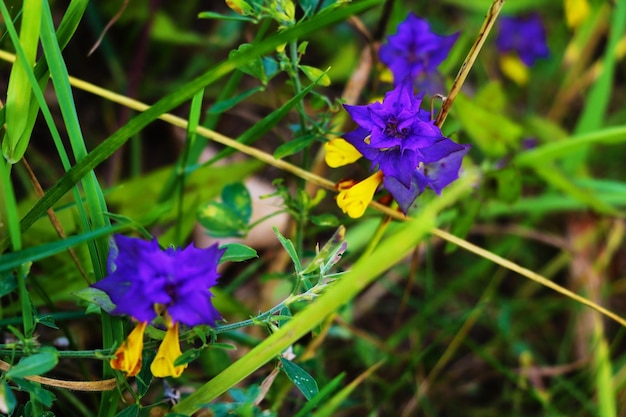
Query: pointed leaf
column 237, row 252
column 36, row 364
column 301, row 378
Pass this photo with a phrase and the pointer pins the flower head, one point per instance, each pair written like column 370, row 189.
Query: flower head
column 145, row 281
column 402, row 141
column 524, row 36
column 415, row 51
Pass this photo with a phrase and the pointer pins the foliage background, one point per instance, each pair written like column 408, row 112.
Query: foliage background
column 440, row 332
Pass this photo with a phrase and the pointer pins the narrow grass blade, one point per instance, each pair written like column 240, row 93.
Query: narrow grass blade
column 19, row 89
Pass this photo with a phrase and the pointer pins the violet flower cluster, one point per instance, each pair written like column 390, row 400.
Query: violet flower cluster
column 403, row 142
column 407, row 151
column 145, row 281
column 414, row 51
column 524, row 36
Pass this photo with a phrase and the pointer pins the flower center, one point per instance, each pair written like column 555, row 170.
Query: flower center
column 391, row 129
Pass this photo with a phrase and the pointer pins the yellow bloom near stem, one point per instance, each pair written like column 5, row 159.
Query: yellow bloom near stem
column 576, row 11
column 513, row 67
column 169, row 351
column 340, row 152
column 354, row 200
column 128, row 356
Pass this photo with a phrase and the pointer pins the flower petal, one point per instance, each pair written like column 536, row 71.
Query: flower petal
column 340, row 152
column 163, row 364
column 355, row 200
column 128, row 356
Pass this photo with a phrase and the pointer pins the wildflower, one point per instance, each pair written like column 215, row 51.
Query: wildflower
column 128, row 356
column 145, row 281
column 576, row 12
column 340, row 152
column 401, row 141
column 415, row 51
column 523, row 36
column 353, row 198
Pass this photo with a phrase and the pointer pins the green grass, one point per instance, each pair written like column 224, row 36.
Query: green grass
column 501, row 296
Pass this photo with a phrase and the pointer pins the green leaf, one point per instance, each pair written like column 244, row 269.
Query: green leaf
column 316, row 75
column 36, row 364
column 144, row 377
column 188, row 356
column 132, row 411
column 222, row 106
column 291, row 250
column 301, row 378
column 213, row 15
column 323, row 393
column 8, row 282
column 237, row 197
column 19, row 88
column 6, row 395
column 220, row 220
column 97, row 297
column 325, row 220
column 47, row 321
column 237, row 252
column 44, row 396
column 231, row 216
column 254, row 66
column 15, row 259
column 294, row 146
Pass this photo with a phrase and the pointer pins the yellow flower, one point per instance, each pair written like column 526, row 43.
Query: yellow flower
column 128, row 356
column 169, row 351
column 354, row 199
column 514, row 68
column 576, row 11
column 340, row 152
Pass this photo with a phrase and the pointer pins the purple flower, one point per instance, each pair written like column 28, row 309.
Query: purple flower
column 524, row 36
column 144, row 279
column 415, row 51
column 403, row 142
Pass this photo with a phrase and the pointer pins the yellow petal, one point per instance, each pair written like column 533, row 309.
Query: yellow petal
column 354, row 200
column 386, row 76
column 576, row 11
column 128, row 356
column 514, row 68
column 169, row 351
column 340, row 152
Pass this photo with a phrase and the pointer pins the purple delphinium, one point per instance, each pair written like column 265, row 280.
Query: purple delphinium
column 144, row 279
column 415, row 51
column 523, row 35
column 403, row 142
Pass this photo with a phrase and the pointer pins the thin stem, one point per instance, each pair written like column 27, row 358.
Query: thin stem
column 490, row 19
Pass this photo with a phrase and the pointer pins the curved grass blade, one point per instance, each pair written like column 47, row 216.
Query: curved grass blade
column 19, row 94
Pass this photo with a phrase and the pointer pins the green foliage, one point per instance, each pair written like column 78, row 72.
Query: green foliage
column 229, row 217
column 301, row 378
column 384, row 317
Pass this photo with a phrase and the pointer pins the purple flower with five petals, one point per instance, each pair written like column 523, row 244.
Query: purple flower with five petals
column 403, row 142
column 144, row 279
column 414, row 51
column 524, row 36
